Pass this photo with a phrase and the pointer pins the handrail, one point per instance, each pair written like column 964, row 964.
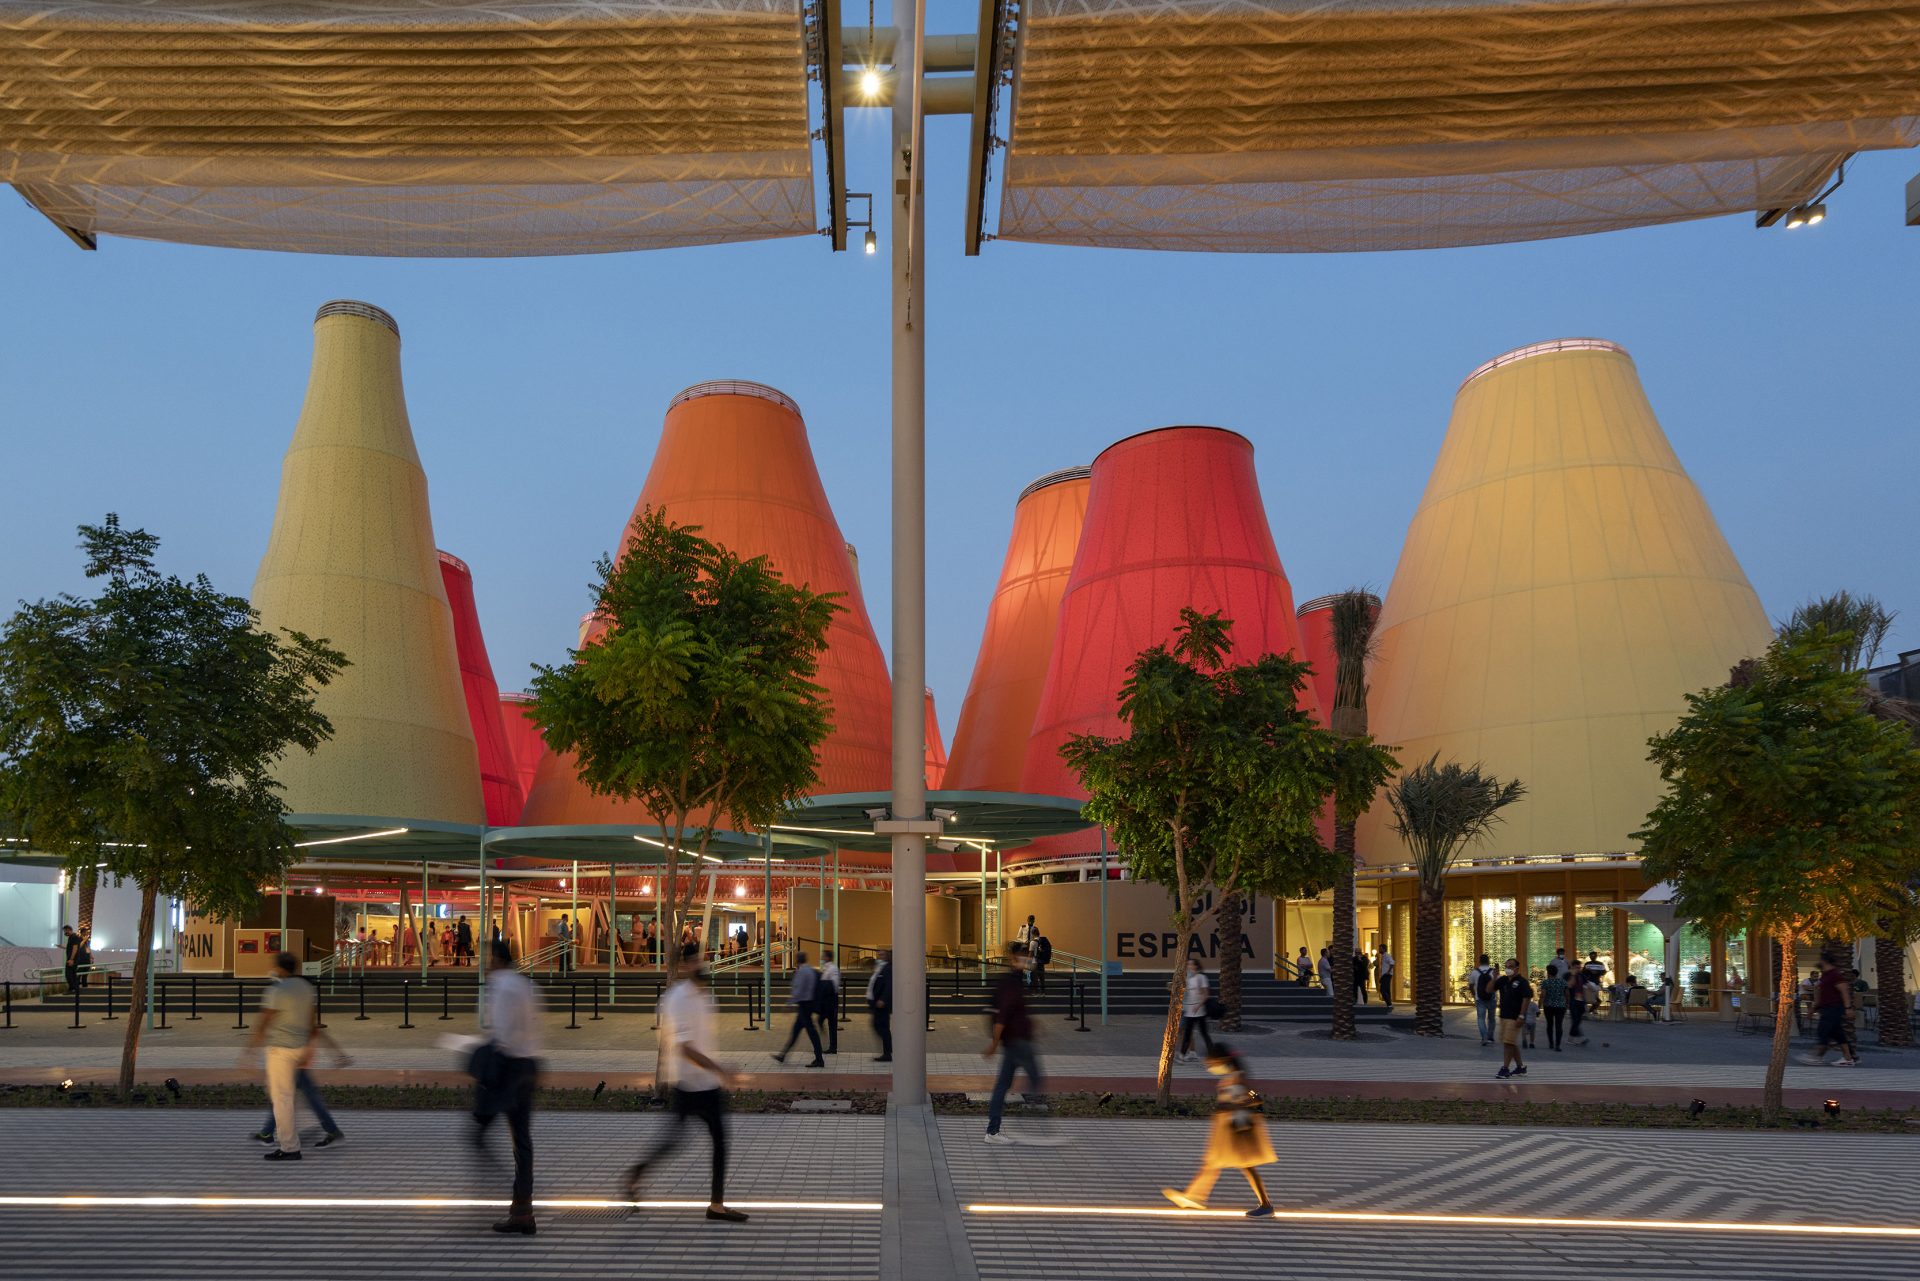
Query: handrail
column 738, row 961
column 544, row 958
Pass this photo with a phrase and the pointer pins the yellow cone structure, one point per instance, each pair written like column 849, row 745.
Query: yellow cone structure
column 352, row 559
column 1562, row 589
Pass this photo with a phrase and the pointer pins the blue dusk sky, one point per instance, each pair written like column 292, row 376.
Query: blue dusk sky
column 163, row 382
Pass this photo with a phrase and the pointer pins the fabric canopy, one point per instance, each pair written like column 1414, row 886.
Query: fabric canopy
column 391, row 128
column 1330, row 125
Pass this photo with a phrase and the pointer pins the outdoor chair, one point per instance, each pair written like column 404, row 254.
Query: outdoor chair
column 1870, row 1010
column 1640, row 1000
column 1756, row 1013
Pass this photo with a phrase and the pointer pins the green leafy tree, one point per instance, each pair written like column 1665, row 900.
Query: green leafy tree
column 138, row 731
column 697, row 698
column 1439, row 810
column 1353, row 615
column 1789, row 809
column 1217, row 785
column 1859, row 627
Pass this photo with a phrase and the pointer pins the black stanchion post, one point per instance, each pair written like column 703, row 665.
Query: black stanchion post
column 9, row 1005
column 76, row 1005
column 319, row 1014
column 444, row 1013
column 929, row 1000
column 953, row 963
column 595, row 1016
column 655, row 1026
column 163, row 1008
column 406, row 1003
column 111, row 1016
column 361, row 1017
column 573, row 1007
column 193, row 999
column 1080, row 990
column 239, row 1008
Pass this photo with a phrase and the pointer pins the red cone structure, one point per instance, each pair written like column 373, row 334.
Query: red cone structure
column 734, row 460
column 990, row 742
column 936, row 748
column 1174, row 518
column 500, row 786
column 524, row 744
column 1316, row 639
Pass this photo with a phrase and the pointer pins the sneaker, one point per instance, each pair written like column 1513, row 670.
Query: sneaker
column 265, row 1136
column 817, row 1063
column 278, row 1155
column 1260, row 1212
column 1182, row 1200
column 999, row 1139
column 517, row 1225
column 1520, row 1071
column 330, row 1138
column 780, row 1057
column 1811, row 1060
column 1846, row 1062
column 883, row 1058
column 726, row 1214
column 1502, row 1074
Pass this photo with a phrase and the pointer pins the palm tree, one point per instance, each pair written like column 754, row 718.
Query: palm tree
column 1352, row 615
column 1438, row 810
column 1865, row 622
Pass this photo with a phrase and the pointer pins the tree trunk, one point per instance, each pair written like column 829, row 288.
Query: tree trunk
column 1343, row 942
column 1783, row 994
column 1176, row 993
column 137, row 998
column 88, row 887
column 1429, row 969
column 1227, row 928
column 1890, row 966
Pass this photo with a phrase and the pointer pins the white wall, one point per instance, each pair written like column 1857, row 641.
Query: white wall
column 29, row 906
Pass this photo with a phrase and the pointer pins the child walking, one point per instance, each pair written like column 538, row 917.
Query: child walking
column 1529, row 1018
column 1238, row 1140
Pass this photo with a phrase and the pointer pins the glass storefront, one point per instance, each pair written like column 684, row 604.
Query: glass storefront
column 1402, row 927
column 1546, row 931
column 1460, row 951
column 1499, row 929
column 1593, row 931
column 1646, row 952
column 1696, row 977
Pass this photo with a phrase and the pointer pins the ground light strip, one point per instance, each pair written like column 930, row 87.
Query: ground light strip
column 1457, row 1220
column 87, row 1202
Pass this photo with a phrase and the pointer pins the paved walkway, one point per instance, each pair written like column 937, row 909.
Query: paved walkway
column 1628, row 1062
column 1637, row 1202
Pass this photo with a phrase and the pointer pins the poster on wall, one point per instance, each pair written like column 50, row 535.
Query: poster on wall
column 203, row 944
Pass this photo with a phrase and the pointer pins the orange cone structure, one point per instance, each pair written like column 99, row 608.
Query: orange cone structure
column 990, row 742
column 1174, row 518
column 500, row 785
column 936, row 748
column 352, row 559
column 1562, row 589
column 734, row 460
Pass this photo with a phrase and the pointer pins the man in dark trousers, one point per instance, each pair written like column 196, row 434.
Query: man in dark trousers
column 73, row 958
column 1511, row 992
column 826, row 1001
column 1012, row 1038
column 1042, row 953
column 880, row 1001
column 513, row 1010
column 1359, row 977
column 689, row 1066
column 463, row 943
column 806, row 986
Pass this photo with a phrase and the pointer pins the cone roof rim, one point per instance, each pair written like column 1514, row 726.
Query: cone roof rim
column 1155, row 431
column 1006, row 820
column 735, row 387
column 635, row 843
column 1548, row 347
column 1057, row 477
column 360, row 310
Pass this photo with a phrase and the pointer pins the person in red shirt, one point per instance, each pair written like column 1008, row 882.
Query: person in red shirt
column 1832, row 999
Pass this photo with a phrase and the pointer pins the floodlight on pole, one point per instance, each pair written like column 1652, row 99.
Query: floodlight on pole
column 872, row 245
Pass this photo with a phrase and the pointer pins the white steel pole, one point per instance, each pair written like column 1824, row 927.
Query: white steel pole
column 906, row 257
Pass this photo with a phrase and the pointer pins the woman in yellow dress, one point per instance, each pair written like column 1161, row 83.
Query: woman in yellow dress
column 1237, row 1141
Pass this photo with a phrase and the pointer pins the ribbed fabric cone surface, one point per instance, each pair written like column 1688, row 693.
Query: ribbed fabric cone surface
column 1562, row 589
column 990, row 742
column 936, row 747
column 500, row 786
column 352, row 558
column 734, row 460
column 1174, row 518
column 524, row 745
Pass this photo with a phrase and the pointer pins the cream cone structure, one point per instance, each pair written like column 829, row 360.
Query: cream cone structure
column 1562, row 589
column 352, row 559
column 990, row 740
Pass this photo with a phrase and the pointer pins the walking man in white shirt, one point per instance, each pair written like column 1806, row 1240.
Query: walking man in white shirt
column 514, row 1008
column 1383, row 971
column 285, row 1027
column 688, row 1064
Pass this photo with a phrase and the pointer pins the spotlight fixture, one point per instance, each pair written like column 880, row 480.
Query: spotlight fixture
column 1815, row 213
column 1831, row 1107
column 598, row 1090
column 872, row 245
column 1695, row 1108
column 66, row 1086
column 173, row 1086
column 870, row 84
